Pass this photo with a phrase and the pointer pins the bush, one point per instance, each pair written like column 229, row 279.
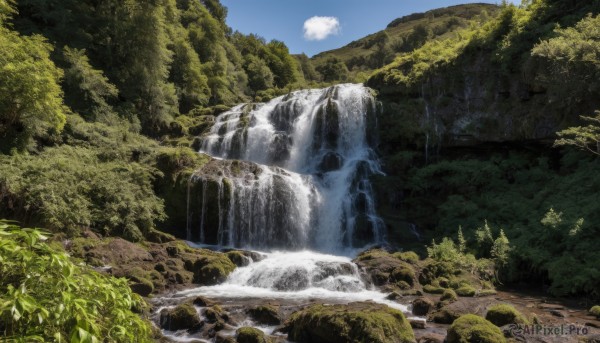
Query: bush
column 504, row 314
column 45, row 297
column 471, row 328
column 70, row 188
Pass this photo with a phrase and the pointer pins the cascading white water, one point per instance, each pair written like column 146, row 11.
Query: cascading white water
column 288, row 177
column 311, row 188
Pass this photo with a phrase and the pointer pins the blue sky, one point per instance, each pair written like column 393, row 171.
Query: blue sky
column 284, row 19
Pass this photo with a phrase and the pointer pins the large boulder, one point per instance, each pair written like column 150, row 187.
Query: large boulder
column 504, row 314
column 265, row 314
column 354, row 322
column 471, row 328
column 182, row 317
column 392, row 271
column 422, row 306
column 212, row 269
column 250, row 335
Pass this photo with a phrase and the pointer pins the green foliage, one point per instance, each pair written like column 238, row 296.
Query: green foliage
column 45, row 297
column 504, row 314
column 583, row 137
column 67, row 188
column 87, row 90
column 449, row 295
column 571, row 60
column 471, row 328
column 333, row 70
column 30, row 96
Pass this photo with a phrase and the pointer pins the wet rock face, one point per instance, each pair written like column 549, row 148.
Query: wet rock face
column 355, row 322
column 331, row 161
column 182, row 317
column 292, row 280
column 265, row 315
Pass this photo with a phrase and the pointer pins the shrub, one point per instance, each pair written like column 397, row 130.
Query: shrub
column 595, row 311
column 466, row 291
column 45, row 297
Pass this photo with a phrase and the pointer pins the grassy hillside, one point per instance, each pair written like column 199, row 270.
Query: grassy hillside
column 403, row 35
column 466, row 138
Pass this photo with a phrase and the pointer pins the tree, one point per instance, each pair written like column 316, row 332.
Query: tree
column 334, row 69
column 462, row 242
column 485, row 240
column 584, row 137
column 87, row 90
column 30, row 95
column 260, row 76
column 500, row 250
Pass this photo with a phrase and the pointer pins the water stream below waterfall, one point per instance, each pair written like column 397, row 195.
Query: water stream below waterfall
column 291, row 178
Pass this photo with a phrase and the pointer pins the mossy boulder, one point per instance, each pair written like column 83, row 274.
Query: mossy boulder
column 392, row 271
column 354, row 322
column 238, row 258
column 466, row 291
column 504, row 314
column 250, row 335
column 595, row 311
column 212, row 269
column 471, row 328
column 422, row 306
column 449, row 295
column 265, row 314
column 487, row 292
column 182, row 317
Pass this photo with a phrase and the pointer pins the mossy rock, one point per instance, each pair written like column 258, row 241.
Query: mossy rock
column 433, row 289
column 466, row 291
column 238, row 258
column 403, row 273
column 215, row 314
column 144, row 287
column 595, row 311
column 212, row 270
column 265, row 314
column 355, row 322
column 250, row 335
column 182, row 317
column 422, row 306
column 504, row 314
column 449, row 295
column 471, row 328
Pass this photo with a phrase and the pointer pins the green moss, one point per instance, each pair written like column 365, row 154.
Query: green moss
column 211, row 270
column 466, row 291
column 407, row 256
column 487, row 292
column 504, row 314
column 449, row 295
column 250, row 335
column 471, row 328
column 356, row 322
column 433, row 289
column 595, row 311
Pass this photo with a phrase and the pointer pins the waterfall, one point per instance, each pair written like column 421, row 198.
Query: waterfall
column 292, row 173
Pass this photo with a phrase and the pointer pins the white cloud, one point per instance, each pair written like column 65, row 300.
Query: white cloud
column 319, row 28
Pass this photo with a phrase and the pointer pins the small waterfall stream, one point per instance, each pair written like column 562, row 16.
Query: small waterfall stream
column 290, row 178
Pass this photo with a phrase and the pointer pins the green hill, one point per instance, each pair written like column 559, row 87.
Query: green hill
column 403, row 35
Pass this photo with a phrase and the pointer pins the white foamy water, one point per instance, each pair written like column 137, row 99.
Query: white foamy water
column 295, row 276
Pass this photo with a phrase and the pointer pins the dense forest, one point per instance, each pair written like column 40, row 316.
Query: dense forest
column 488, row 133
